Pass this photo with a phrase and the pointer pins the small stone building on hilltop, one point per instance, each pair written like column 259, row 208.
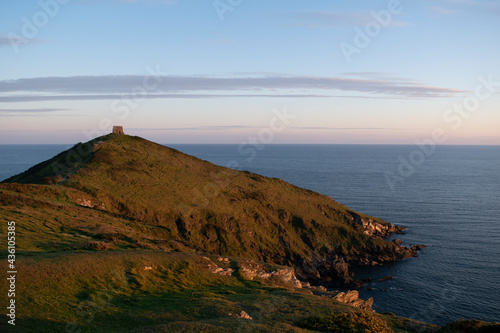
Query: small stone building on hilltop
column 118, row 130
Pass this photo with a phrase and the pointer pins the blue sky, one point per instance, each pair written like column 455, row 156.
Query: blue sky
column 205, row 71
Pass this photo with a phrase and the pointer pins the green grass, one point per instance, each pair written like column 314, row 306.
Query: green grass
column 470, row 326
column 152, row 195
column 91, row 219
column 349, row 322
column 112, row 292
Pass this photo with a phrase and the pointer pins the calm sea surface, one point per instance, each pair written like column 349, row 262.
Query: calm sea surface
column 451, row 202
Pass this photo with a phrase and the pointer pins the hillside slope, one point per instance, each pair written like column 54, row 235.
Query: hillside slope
column 134, row 192
column 120, row 234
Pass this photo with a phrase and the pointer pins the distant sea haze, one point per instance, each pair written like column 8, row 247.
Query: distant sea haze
column 450, row 202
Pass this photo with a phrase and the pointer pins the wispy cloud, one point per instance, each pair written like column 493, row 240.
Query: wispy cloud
column 7, row 40
column 42, row 98
column 4, row 40
column 9, row 113
column 31, row 110
column 381, row 76
column 354, row 128
column 440, row 11
column 220, row 41
column 491, row 7
column 367, row 74
column 196, row 128
column 334, row 19
column 112, row 87
column 239, row 127
column 451, row 7
column 151, row 2
column 225, row 128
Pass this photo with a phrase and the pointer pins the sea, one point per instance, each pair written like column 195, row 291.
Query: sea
column 448, row 197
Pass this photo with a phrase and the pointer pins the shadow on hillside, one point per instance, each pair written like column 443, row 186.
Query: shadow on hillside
column 30, row 325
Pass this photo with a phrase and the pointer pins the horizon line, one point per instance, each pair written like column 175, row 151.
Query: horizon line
column 268, row 144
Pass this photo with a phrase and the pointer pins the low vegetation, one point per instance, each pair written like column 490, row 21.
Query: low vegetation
column 152, row 196
column 114, row 235
column 470, row 326
column 349, row 322
column 158, row 291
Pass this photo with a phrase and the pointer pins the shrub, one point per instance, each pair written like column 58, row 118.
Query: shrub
column 97, row 246
column 357, row 322
column 470, row 326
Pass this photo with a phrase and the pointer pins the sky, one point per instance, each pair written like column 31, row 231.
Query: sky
column 235, row 71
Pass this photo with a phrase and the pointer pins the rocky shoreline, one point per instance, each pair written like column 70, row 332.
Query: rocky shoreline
column 333, row 269
column 251, row 270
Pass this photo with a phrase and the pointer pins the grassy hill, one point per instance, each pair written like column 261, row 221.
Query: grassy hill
column 138, row 193
column 142, row 291
column 120, row 234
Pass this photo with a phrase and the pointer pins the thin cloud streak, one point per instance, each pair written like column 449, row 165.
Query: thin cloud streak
column 6, row 41
column 237, row 127
column 354, row 128
column 230, row 127
column 196, row 128
column 334, row 19
column 452, row 7
column 441, row 11
column 151, row 2
column 110, row 87
column 33, row 98
column 32, row 110
column 28, row 113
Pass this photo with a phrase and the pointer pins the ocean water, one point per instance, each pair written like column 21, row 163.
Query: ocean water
column 448, row 200
column 15, row 159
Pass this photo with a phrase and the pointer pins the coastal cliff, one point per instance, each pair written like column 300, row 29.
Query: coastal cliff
column 120, row 215
column 175, row 198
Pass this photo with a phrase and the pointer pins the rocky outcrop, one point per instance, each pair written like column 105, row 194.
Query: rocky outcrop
column 242, row 315
column 85, row 200
column 385, row 278
column 288, row 276
column 333, row 268
column 374, row 228
column 222, row 271
column 91, row 203
column 351, row 298
column 251, row 270
column 215, row 269
column 334, row 272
